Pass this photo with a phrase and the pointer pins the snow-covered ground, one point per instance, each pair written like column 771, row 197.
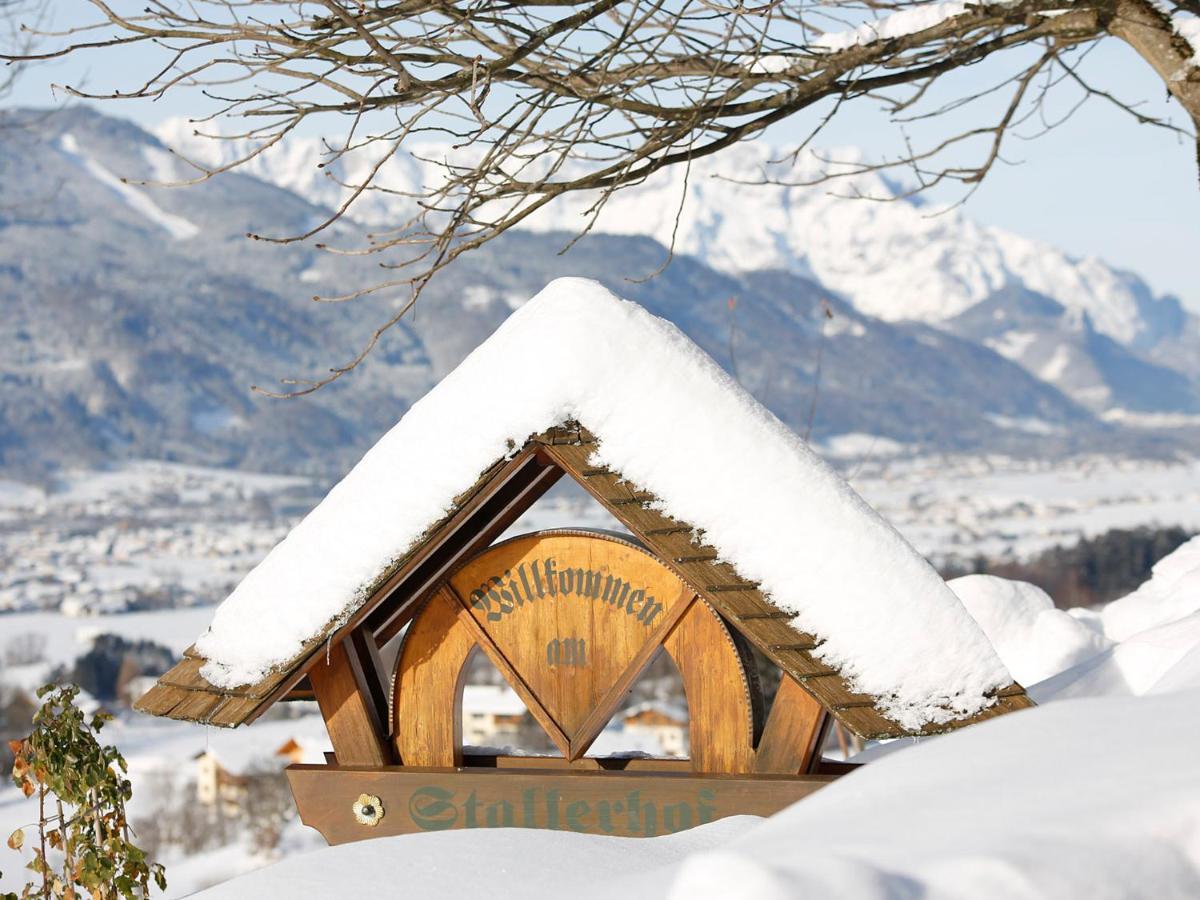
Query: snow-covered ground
column 1142, row 645
column 143, row 535
column 958, row 507
column 1094, row 794
column 1058, row 802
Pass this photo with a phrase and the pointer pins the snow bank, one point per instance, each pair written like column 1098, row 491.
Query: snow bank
column 1130, row 669
column 673, row 422
column 1157, row 630
column 1011, row 808
column 503, row 862
column 1171, row 593
column 1034, row 639
column 1016, row 807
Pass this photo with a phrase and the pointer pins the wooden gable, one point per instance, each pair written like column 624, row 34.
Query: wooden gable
column 476, row 519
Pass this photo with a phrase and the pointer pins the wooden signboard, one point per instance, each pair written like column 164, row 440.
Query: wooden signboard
column 571, row 619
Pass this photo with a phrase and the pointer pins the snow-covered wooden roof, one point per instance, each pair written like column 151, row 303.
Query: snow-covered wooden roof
column 694, row 467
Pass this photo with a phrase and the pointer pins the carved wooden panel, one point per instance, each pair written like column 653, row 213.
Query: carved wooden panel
column 570, row 619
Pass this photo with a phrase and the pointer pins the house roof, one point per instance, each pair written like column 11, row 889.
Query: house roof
column 694, row 467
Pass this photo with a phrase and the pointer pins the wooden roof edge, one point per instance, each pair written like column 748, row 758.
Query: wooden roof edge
column 280, row 681
column 752, row 612
column 568, row 447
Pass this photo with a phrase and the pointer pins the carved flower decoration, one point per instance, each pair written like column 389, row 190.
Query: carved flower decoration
column 368, row 810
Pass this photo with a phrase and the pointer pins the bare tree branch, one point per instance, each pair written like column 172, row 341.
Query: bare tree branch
column 538, row 99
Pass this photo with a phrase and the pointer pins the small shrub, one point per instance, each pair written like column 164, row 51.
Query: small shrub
column 82, row 845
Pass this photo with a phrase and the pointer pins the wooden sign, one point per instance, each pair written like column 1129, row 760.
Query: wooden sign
column 571, row 619
column 406, row 800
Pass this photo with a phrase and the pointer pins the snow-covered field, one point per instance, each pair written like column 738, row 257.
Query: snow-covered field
column 1113, row 824
column 165, row 534
column 1096, row 794
column 143, row 535
column 958, row 507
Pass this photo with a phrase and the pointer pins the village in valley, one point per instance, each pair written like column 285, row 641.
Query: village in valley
column 540, row 448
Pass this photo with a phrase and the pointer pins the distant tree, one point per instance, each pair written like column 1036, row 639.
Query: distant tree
column 25, row 649
column 543, row 98
column 176, row 821
column 112, row 660
column 16, row 718
column 16, row 40
column 1095, row 570
column 268, row 806
column 83, row 842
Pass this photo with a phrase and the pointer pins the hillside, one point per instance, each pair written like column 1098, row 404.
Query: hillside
column 893, row 256
column 146, row 345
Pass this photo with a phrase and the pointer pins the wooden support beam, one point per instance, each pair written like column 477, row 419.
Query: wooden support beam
column 481, row 520
column 369, row 675
column 348, row 712
column 791, row 738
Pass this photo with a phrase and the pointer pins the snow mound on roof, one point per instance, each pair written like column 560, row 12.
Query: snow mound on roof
column 1048, row 803
column 1034, row 639
column 671, row 421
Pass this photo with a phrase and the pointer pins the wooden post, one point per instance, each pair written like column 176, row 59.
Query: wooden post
column 348, row 713
column 368, row 674
column 791, row 738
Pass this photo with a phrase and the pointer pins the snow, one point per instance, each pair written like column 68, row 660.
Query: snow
column 900, row 24
column 493, row 699
column 1054, row 802
column 1146, row 642
column 1012, row 344
column 855, row 444
column 956, row 507
column 1133, row 419
column 1188, row 28
column 501, row 862
column 1132, row 668
column 1034, row 639
column 176, row 226
column 1057, row 365
column 897, row 260
column 1171, row 593
column 813, row 544
column 1153, row 636
column 1028, row 424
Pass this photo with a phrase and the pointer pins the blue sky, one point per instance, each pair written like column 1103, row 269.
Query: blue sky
column 1099, row 185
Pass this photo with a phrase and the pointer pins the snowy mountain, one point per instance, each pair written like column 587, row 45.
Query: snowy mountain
column 894, row 258
column 136, row 318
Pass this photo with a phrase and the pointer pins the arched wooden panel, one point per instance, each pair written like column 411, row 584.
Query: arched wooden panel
column 427, row 690
column 570, row 619
column 720, row 713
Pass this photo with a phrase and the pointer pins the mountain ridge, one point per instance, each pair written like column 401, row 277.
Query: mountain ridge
column 136, row 318
column 896, row 258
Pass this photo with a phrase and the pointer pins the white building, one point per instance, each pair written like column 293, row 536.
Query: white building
column 492, row 715
column 663, row 723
